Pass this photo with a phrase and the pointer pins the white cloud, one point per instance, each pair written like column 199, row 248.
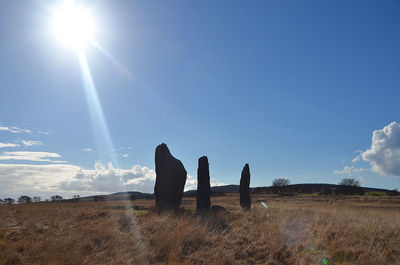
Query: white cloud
column 87, row 150
column 23, row 142
column 358, row 157
column 57, row 178
column 43, row 132
column 191, row 183
column 31, row 143
column 29, row 156
column 14, row 129
column 214, row 183
column 5, row 145
column 361, row 179
column 351, row 171
column 125, row 155
column 17, row 179
column 384, row 154
column 37, row 175
column 109, row 179
column 66, row 178
column 125, row 148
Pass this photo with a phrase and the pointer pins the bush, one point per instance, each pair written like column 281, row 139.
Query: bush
column 279, row 185
column 349, row 186
column 24, row 199
column 280, row 182
column 56, row 198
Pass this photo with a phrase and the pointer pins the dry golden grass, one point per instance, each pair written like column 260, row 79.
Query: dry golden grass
column 294, row 230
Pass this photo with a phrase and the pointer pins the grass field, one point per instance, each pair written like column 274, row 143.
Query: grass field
column 293, row 230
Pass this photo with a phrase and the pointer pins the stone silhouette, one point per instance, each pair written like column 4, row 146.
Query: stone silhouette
column 170, row 179
column 245, row 200
column 203, row 185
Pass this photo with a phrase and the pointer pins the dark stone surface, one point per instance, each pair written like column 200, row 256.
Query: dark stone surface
column 170, row 179
column 203, row 185
column 218, row 208
column 245, row 200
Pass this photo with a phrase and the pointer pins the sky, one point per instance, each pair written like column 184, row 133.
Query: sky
column 306, row 90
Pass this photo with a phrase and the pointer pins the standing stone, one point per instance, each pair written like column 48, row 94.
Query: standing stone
column 203, row 185
column 245, row 200
column 170, row 179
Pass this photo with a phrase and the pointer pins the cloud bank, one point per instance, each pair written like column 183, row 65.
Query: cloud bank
column 107, row 179
column 7, row 145
column 57, row 178
column 29, row 156
column 384, row 154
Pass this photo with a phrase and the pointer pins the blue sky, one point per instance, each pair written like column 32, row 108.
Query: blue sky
column 294, row 88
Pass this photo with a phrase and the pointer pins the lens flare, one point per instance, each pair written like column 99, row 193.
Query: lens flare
column 264, row 205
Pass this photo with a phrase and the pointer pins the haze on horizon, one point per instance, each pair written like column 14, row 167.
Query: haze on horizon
column 303, row 90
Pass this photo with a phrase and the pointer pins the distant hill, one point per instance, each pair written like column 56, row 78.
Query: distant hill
column 127, row 195
column 215, row 191
column 295, row 188
column 313, row 188
column 306, row 188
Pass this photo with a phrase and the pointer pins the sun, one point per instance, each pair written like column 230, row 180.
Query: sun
column 73, row 25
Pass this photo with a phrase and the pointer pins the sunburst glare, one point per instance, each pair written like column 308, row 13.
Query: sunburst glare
column 73, row 25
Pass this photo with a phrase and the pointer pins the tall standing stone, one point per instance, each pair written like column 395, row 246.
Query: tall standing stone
column 203, row 185
column 245, row 200
column 170, row 179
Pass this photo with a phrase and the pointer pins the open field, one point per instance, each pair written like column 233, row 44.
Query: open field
column 294, row 230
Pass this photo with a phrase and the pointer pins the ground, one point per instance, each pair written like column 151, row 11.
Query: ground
column 291, row 230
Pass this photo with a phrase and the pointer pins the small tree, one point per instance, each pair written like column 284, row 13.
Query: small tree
column 350, row 186
column 9, row 201
column 279, row 185
column 350, row 182
column 76, row 198
column 280, row 182
column 36, row 199
column 24, row 199
column 56, row 198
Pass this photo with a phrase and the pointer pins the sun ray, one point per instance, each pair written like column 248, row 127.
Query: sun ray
column 120, row 67
column 99, row 123
column 74, row 25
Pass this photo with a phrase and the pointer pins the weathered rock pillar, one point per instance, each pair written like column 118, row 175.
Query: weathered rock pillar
column 170, row 179
column 203, row 185
column 245, row 200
